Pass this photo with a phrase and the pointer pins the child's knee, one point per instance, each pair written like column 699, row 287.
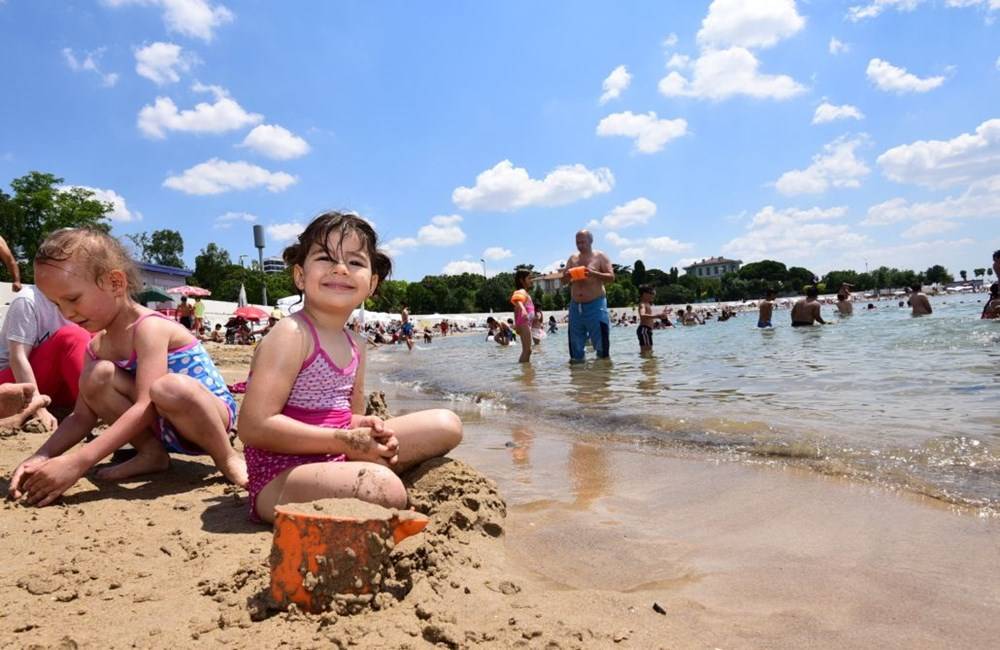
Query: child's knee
column 448, row 426
column 170, row 389
column 97, row 378
column 379, row 484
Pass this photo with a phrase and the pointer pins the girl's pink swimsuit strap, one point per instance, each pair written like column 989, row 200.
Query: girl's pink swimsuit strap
column 321, row 396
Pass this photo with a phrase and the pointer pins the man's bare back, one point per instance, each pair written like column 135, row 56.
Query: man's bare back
column 921, row 305
column 806, row 311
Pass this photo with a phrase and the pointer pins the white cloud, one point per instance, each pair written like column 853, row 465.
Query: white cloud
column 827, row 112
column 649, row 132
column 646, row 247
column 670, row 40
column 945, row 163
column 89, row 64
column 284, row 232
column 163, row 63
column 228, row 219
column 276, row 142
column 497, row 253
column 998, row 63
column 504, row 188
column 793, row 234
column 442, row 231
column 225, row 114
column 721, row 74
column 459, row 267
column 838, row 47
column 873, row 9
column 837, row 167
column 980, row 200
column 760, row 23
column 890, row 78
column 679, row 62
column 119, row 209
column 925, row 228
column 615, row 84
column 216, row 176
column 194, row 18
column 635, row 212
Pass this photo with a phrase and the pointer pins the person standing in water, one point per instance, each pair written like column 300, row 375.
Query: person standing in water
column 844, row 305
column 406, row 331
column 588, row 271
column 645, row 330
column 766, row 310
column 807, row 311
column 919, row 302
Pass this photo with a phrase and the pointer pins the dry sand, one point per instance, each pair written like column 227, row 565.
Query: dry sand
column 585, row 540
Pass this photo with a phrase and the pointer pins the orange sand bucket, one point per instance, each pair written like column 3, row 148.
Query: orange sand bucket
column 316, row 556
column 578, row 273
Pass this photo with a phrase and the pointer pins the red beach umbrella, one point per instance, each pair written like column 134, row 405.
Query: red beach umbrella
column 186, row 290
column 251, row 313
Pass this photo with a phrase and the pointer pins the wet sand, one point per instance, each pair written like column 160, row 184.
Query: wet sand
column 552, row 541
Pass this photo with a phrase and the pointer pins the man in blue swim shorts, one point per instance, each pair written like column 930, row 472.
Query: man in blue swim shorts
column 587, row 272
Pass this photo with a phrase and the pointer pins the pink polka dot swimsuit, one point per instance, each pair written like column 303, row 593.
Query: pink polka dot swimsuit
column 320, row 396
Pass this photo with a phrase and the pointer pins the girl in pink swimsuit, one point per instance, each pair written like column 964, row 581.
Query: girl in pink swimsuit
column 302, row 423
column 524, row 311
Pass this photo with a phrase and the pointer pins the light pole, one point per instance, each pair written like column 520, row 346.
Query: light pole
column 241, row 260
column 258, row 242
column 484, row 266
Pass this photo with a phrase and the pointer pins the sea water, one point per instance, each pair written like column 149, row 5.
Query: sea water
column 908, row 402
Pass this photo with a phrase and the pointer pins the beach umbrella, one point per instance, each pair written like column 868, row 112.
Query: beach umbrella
column 242, row 300
column 186, row 290
column 153, row 294
column 250, row 312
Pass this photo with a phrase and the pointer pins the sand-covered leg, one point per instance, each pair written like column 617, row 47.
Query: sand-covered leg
column 200, row 417
column 332, row 480
column 109, row 391
column 423, row 435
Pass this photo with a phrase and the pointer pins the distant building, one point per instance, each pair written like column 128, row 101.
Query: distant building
column 274, row 265
column 163, row 277
column 549, row 282
column 713, row 267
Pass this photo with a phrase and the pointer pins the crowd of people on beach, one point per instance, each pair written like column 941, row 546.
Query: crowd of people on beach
column 76, row 350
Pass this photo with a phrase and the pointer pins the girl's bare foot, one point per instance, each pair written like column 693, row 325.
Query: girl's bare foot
column 145, row 462
column 18, row 403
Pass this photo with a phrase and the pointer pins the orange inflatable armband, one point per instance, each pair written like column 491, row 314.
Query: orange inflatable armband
column 578, row 273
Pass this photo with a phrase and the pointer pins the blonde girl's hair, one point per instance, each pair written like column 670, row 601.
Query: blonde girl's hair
column 98, row 251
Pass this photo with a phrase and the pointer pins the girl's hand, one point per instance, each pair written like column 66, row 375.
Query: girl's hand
column 28, row 465
column 46, row 483
column 371, row 421
column 373, row 446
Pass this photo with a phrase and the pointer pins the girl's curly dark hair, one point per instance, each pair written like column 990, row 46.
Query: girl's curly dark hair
column 318, row 232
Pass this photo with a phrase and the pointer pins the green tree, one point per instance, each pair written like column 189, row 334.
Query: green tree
column 420, row 299
column 210, row 266
column 937, row 274
column 979, row 272
column 674, row 294
column 964, row 275
column 798, row 278
column 390, row 297
column 40, row 205
column 495, row 293
column 768, row 270
column 161, row 247
column 638, row 273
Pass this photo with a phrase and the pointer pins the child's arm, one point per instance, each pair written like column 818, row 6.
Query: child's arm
column 71, row 431
column 56, row 475
column 275, row 367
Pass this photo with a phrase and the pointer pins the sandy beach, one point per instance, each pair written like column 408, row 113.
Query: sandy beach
column 537, row 539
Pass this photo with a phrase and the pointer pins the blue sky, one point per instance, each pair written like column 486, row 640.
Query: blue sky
column 826, row 134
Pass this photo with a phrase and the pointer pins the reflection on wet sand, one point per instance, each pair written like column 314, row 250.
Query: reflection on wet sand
column 590, row 473
column 520, row 453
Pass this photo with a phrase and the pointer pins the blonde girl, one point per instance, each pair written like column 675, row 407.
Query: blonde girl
column 145, row 376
